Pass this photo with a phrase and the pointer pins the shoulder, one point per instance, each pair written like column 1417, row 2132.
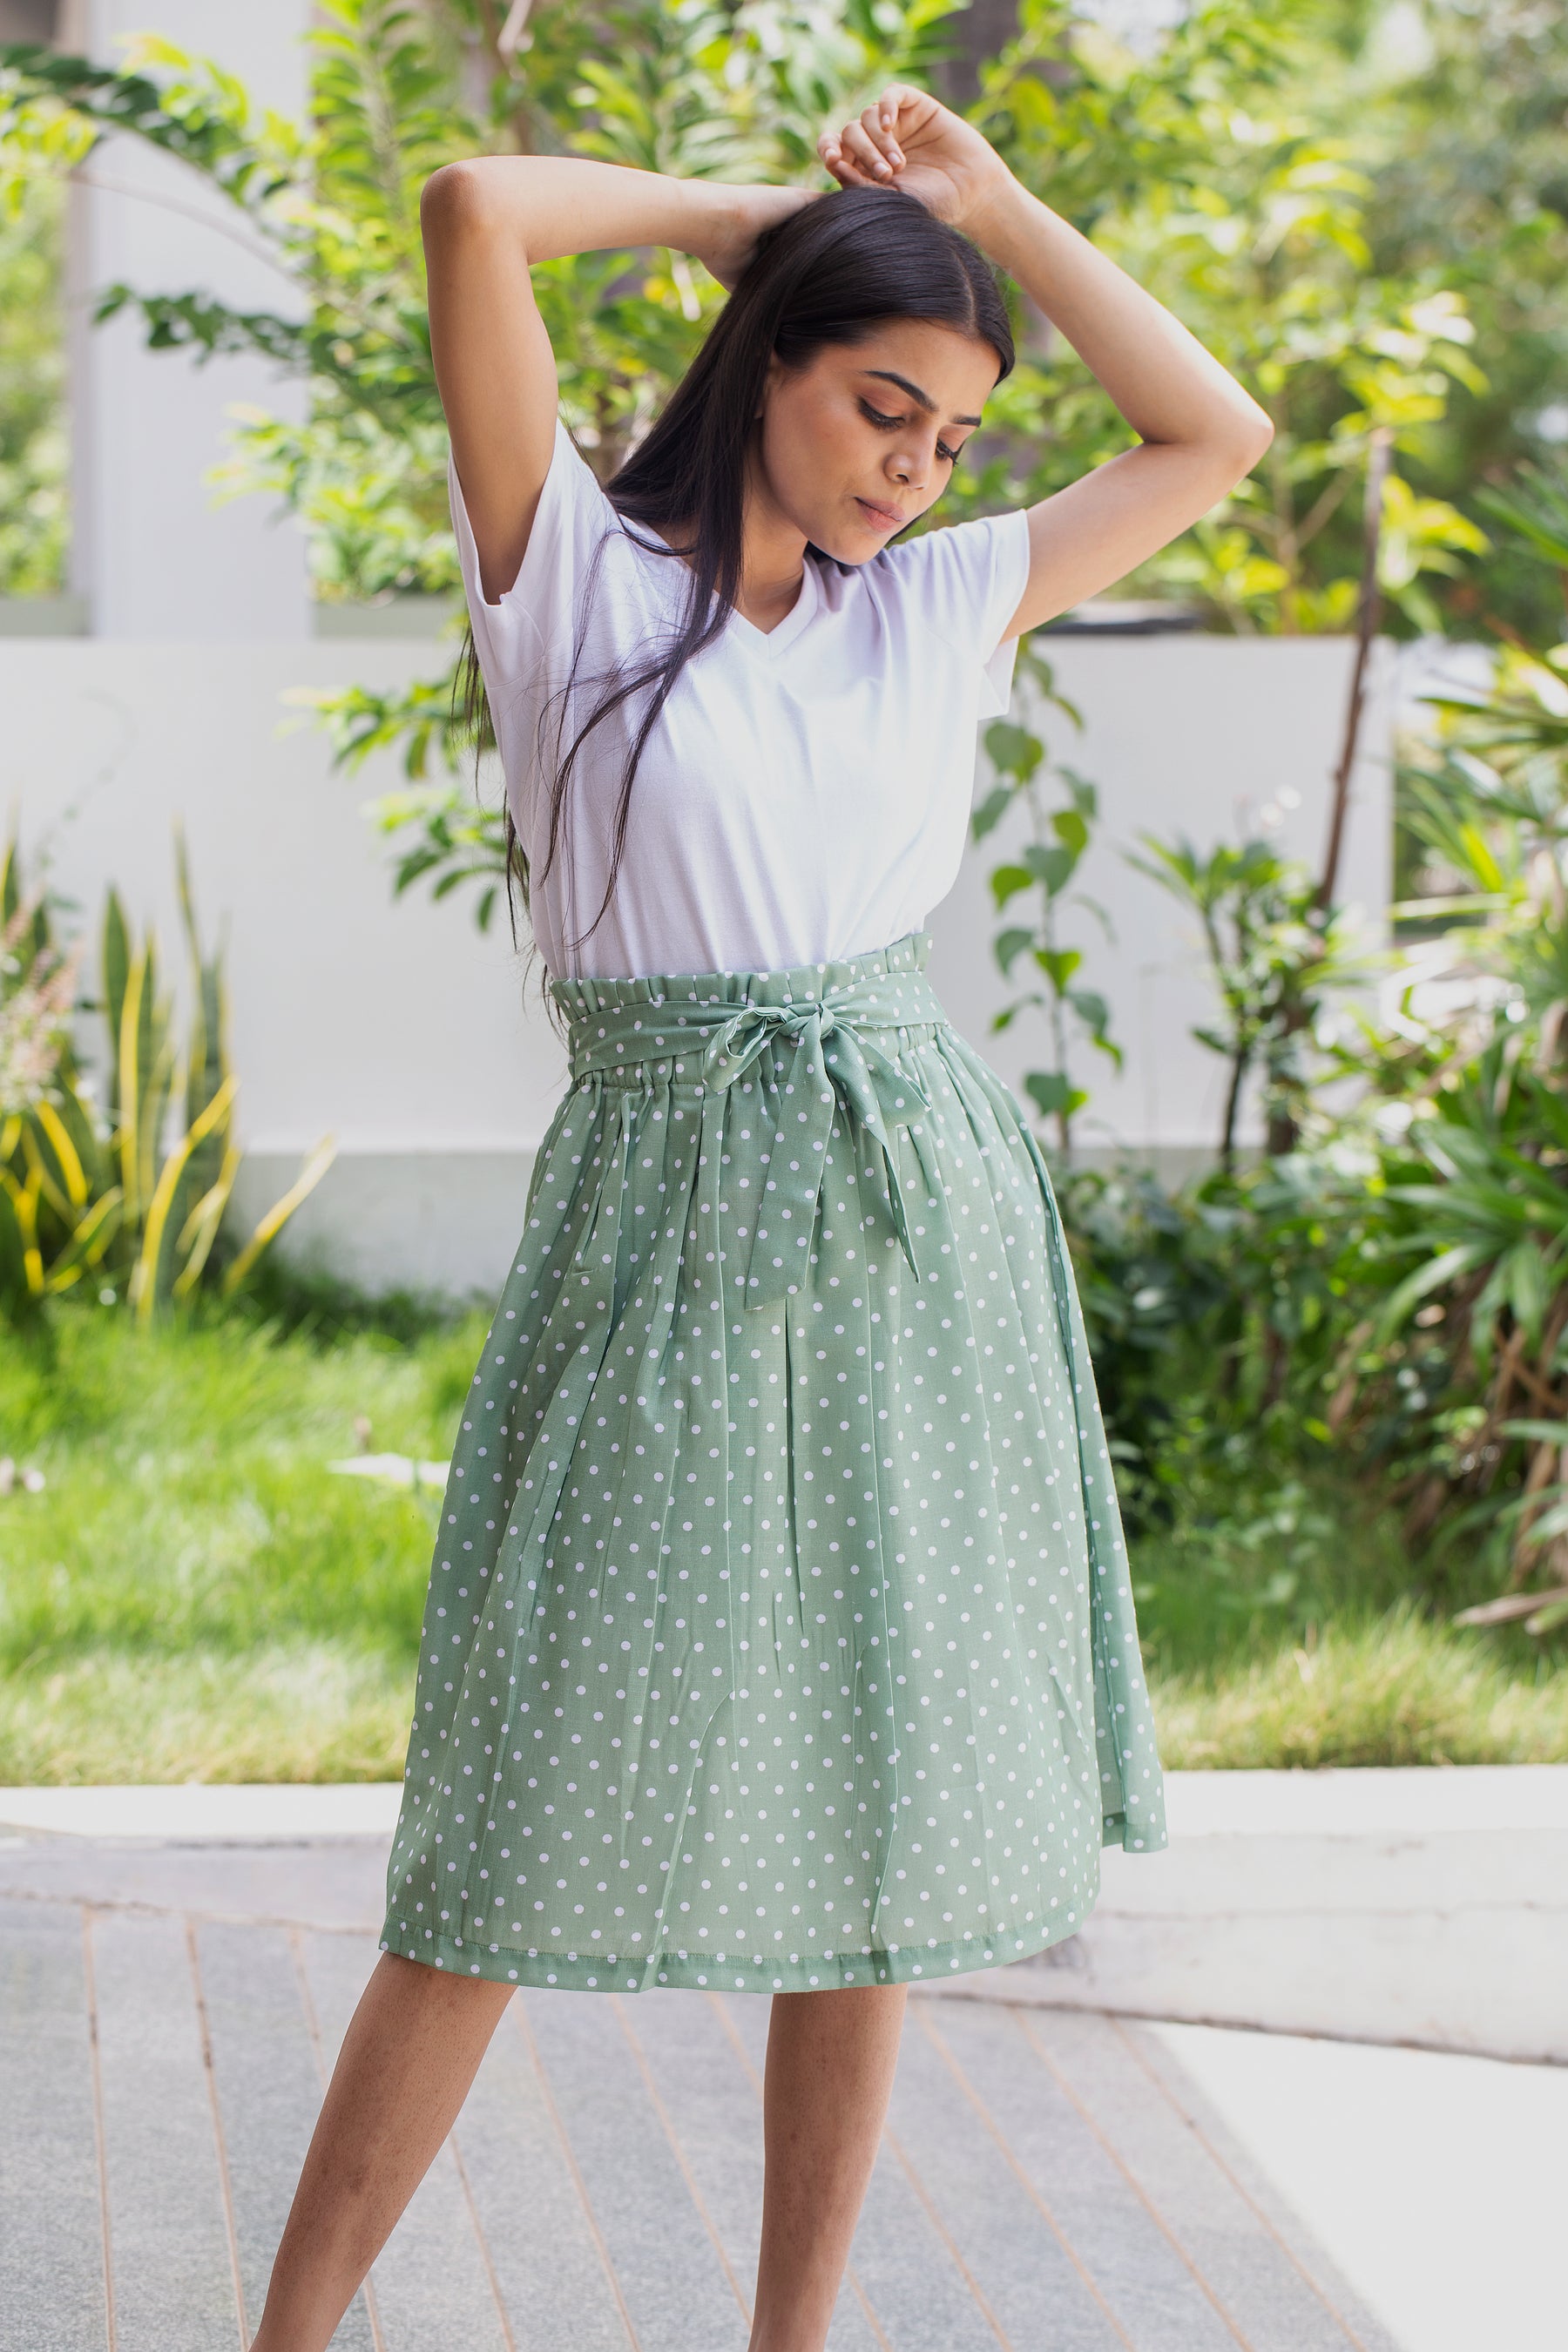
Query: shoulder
column 577, row 543
column 964, row 578
column 573, row 515
column 953, row 554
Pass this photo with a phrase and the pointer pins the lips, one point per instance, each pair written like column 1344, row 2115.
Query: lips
column 884, row 518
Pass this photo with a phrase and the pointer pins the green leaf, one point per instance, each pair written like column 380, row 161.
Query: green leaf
column 1014, row 750
column 1053, row 1092
column 1006, row 881
column 1059, row 964
column 1051, row 868
column 1010, row 944
column 991, row 811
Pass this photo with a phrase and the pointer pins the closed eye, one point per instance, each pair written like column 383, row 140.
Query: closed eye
column 886, row 425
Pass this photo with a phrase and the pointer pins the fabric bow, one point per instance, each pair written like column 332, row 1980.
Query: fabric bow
column 834, row 1067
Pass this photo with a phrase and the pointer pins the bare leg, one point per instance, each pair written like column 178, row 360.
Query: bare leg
column 829, row 2074
column 413, row 2047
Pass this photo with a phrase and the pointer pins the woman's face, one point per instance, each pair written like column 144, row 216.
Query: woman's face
column 859, row 441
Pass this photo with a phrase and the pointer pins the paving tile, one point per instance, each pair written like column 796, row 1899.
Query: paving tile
column 1263, row 2297
column 670, row 2268
column 268, row 2092
column 168, row 2245
column 431, row 2285
column 1051, row 2180
column 52, row 2288
column 1033, row 2283
column 549, row 2261
column 1151, row 2298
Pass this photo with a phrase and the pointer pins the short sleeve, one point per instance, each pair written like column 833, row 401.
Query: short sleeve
column 538, row 614
column 966, row 581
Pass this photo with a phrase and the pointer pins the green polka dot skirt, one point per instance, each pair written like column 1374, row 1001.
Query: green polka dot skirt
column 779, row 1630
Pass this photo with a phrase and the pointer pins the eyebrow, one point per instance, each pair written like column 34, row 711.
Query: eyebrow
column 921, row 399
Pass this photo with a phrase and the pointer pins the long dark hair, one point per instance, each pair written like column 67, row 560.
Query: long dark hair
column 827, row 274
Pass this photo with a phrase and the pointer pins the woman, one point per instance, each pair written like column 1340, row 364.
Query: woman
column 779, row 1634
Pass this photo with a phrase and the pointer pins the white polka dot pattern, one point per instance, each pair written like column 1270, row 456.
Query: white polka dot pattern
column 779, row 1632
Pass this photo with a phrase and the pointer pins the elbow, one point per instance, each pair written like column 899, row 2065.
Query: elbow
column 456, row 200
column 1249, row 443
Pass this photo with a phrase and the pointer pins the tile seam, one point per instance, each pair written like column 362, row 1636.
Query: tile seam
column 220, row 2147
column 940, row 2226
column 468, row 2199
column 111, row 2334
column 679, row 2155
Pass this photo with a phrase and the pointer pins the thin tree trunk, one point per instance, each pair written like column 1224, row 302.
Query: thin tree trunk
column 1240, row 1063
column 1368, row 606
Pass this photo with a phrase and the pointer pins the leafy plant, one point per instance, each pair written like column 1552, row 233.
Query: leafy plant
column 136, row 1190
column 1458, row 1371
column 57, row 1208
column 33, row 503
column 1274, row 958
column 1055, row 841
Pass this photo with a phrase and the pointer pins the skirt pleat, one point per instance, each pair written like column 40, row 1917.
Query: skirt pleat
column 779, row 1633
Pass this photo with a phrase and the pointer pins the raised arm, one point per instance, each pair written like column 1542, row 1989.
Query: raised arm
column 484, row 222
column 1200, row 432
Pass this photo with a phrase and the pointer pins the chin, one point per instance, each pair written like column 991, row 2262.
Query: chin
column 846, row 543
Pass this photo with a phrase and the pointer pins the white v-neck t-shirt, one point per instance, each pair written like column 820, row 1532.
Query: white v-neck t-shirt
column 804, row 794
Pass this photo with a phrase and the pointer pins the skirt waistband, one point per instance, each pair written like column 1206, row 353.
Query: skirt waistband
column 697, row 1021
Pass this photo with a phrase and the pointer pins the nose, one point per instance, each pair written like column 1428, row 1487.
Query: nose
column 911, row 466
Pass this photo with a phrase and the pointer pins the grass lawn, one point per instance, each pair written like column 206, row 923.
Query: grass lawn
column 192, row 1595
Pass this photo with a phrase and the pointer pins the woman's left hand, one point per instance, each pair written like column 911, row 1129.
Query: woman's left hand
column 909, row 139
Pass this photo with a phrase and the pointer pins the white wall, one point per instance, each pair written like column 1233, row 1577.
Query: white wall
column 1210, row 737
column 397, row 1028
column 152, row 557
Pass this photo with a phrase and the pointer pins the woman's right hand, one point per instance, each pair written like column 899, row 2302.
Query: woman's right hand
column 740, row 215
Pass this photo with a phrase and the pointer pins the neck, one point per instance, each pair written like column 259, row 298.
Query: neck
column 772, row 558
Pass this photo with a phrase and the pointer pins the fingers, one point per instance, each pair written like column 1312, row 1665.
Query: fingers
column 835, row 149
column 868, row 153
column 878, row 122
column 865, row 153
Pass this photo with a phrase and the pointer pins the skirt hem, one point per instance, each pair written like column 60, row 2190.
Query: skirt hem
column 713, row 1972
